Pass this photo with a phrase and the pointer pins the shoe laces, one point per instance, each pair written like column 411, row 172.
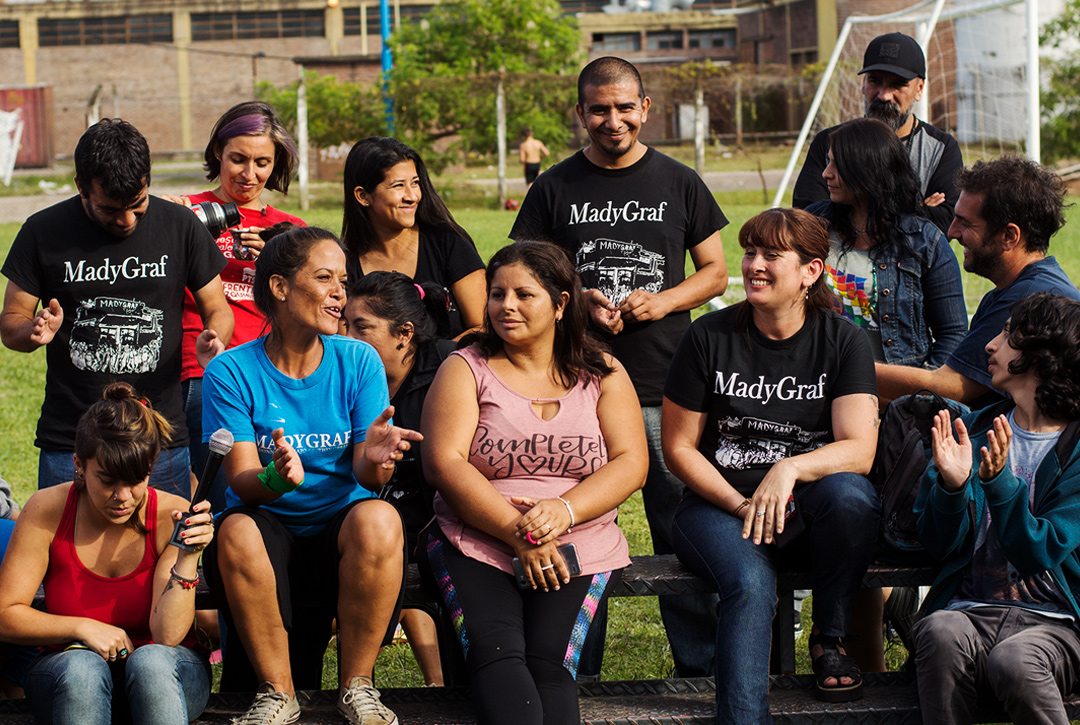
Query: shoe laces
column 363, row 699
column 264, row 709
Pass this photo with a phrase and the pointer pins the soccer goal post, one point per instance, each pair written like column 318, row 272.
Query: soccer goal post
column 982, row 81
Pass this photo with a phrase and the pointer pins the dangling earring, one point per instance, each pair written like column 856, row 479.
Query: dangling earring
column 806, row 295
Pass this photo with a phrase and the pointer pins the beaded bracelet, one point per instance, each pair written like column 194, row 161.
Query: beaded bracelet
column 569, row 511
column 273, row 482
column 182, row 581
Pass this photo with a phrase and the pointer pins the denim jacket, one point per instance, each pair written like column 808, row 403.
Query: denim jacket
column 1044, row 537
column 920, row 299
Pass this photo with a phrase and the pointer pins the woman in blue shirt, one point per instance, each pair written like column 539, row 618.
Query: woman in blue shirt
column 304, row 530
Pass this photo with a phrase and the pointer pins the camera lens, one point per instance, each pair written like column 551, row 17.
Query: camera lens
column 217, row 217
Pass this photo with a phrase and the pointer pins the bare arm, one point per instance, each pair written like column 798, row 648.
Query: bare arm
column 471, row 294
column 22, row 327
column 23, row 569
column 897, row 380
column 855, row 426
column 680, row 433
column 708, row 281
column 173, row 606
column 452, row 397
column 374, row 457
column 214, row 310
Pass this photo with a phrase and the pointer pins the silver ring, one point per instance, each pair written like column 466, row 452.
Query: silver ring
column 760, row 513
column 547, row 527
column 545, row 568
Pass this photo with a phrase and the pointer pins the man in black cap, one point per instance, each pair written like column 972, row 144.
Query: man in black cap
column 894, row 71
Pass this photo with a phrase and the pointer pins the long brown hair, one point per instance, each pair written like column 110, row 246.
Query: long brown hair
column 576, row 350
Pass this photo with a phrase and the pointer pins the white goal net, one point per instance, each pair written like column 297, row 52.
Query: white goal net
column 976, row 75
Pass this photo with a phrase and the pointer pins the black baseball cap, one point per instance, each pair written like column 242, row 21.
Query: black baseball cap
column 895, row 53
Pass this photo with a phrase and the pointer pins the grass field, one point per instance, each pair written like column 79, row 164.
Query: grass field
column 637, row 647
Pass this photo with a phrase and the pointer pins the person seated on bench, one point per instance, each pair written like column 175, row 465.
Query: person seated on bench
column 407, row 324
column 533, row 438
column 120, row 602
column 304, row 538
column 1000, row 506
column 768, row 399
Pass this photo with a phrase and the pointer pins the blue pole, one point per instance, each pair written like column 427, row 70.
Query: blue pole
column 387, row 63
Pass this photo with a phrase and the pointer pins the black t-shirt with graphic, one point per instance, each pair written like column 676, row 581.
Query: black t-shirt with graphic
column 626, row 229
column 122, row 301
column 766, row 400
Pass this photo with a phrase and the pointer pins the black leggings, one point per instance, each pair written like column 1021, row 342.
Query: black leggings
column 521, row 646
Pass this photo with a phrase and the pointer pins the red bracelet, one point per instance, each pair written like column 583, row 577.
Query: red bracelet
column 184, row 583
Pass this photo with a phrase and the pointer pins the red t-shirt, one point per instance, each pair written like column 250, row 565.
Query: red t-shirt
column 237, row 278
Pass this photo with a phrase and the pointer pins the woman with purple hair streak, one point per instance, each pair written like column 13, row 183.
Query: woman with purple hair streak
column 249, row 151
column 547, row 440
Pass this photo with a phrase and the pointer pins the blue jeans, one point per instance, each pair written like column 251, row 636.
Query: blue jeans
column 171, row 472
column 689, row 619
column 841, row 513
column 191, row 390
column 162, row 686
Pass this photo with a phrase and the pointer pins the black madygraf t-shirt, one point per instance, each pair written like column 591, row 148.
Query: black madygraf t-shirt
column 766, row 400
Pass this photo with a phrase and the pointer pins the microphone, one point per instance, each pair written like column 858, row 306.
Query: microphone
column 221, row 442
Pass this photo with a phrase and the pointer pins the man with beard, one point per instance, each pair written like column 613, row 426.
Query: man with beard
column 108, row 268
column 894, row 72
column 628, row 215
column 1007, row 211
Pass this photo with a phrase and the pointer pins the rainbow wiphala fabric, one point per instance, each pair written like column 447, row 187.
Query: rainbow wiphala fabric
column 856, row 294
column 584, row 620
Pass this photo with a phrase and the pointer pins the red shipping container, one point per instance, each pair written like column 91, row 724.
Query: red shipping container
column 36, row 102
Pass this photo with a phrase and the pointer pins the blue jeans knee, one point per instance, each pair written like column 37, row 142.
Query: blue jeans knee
column 166, row 685
column 72, row 687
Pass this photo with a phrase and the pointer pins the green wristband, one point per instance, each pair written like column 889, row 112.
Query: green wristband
column 273, row 482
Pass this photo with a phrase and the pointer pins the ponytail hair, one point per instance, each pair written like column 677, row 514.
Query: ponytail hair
column 394, row 297
column 123, row 433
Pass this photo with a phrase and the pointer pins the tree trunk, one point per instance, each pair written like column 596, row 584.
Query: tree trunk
column 699, row 126
column 500, row 135
column 304, row 169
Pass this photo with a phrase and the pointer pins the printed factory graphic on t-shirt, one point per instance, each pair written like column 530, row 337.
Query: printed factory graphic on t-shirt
column 747, row 442
column 116, row 336
column 856, row 295
column 618, row 268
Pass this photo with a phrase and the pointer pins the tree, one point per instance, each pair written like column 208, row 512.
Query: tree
column 1061, row 95
column 450, row 69
column 338, row 111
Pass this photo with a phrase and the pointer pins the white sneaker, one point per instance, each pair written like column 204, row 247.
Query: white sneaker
column 270, row 707
column 359, row 703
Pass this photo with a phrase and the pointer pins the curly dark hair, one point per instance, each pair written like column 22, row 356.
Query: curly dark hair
column 113, row 153
column 1044, row 329
column 577, row 351
column 1016, row 190
column 874, row 164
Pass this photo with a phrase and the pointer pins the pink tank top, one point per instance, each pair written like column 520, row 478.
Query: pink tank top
column 73, row 590
column 522, row 454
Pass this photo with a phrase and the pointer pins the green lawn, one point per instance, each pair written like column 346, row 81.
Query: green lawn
column 636, row 646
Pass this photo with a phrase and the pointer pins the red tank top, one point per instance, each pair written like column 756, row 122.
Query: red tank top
column 73, row 590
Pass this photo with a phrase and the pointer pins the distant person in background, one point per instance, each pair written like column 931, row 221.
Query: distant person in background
column 894, row 73
column 395, row 222
column 1000, row 507
column 110, row 268
column 406, row 323
column 249, row 151
column 531, row 152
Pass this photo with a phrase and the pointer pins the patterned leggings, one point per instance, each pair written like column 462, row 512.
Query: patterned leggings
column 521, row 646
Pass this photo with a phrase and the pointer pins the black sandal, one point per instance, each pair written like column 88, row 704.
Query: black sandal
column 835, row 664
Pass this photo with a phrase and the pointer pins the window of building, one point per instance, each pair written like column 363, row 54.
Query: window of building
column 9, row 33
column 409, row 14
column 571, row 7
column 117, row 30
column 666, row 40
column 267, row 24
column 610, row 42
column 712, row 38
column 805, row 57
